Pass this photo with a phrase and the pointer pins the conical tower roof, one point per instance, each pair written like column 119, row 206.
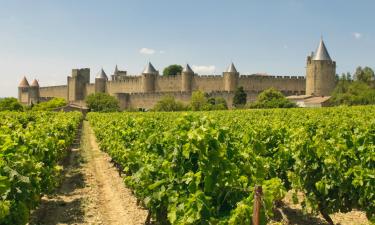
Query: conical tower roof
column 102, row 75
column 24, row 83
column 34, row 83
column 116, row 70
column 231, row 69
column 321, row 52
column 149, row 69
column 187, row 69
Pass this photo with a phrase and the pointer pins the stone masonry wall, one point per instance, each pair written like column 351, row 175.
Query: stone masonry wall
column 54, row 91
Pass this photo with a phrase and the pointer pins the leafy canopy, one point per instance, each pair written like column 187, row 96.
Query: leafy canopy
column 272, row 98
column 101, row 102
column 10, row 104
column 239, row 98
column 172, row 70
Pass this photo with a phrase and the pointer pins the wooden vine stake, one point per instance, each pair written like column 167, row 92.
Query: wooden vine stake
column 257, row 204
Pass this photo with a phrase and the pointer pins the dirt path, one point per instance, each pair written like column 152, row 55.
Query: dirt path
column 92, row 191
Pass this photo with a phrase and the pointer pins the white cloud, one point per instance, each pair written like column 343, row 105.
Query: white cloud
column 357, row 35
column 147, row 51
column 204, row 70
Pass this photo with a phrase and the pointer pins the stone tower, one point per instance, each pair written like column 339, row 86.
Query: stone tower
column 187, row 79
column 34, row 92
column 320, row 72
column 77, row 84
column 231, row 78
column 149, row 75
column 23, row 91
column 101, row 81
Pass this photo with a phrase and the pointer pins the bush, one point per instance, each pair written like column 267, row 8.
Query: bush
column 353, row 93
column 101, row 102
column 10, row 104
column 198, row 101
column 239, row 99
column 168, row 103
column 50, row 105
column 272, row 98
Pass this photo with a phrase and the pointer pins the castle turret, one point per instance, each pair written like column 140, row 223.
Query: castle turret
column 23, row 91
column 320, row 72
column 77, row 84
column 149, row 75
column 34, row 92
column 231, row 78
column 187, row 79
column 101, row 81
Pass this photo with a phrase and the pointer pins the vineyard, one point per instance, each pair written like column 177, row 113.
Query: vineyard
column 32, row 145
column 201, row 168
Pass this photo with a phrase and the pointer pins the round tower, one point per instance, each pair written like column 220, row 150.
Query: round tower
column 100, row 82
column 149, row 76
column 23, row 91
column 231, row 78
column 187, row 79
column 34, row 92
column 320, row 72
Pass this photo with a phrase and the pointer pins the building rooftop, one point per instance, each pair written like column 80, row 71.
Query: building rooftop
column 321, row 52
column 102, row 75
column 24, row 83
column 34, row 83
column 187, row 69
column 149, row 69
column 231, row 69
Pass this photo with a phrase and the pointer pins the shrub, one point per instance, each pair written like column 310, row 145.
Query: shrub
column 101, row 102
column 50, row 105
column 272, row 98
column 168, row 103
column 10, row 104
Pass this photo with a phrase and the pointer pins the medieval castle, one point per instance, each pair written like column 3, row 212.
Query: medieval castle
column 143, row 91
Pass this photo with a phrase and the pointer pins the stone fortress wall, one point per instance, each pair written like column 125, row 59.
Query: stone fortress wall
column 143, row 91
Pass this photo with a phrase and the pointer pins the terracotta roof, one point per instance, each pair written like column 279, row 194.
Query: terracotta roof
column 24, row 83
column 34, row 83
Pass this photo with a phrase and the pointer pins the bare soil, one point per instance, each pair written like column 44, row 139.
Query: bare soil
column 91, row 192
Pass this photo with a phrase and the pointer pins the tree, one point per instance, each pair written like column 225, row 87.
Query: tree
column 168, row 104
column 272, row 98
column 172, row 70
column 101, row 102
column 50, row 105
column 354, row 93
column 239, row 98
column 364, row 74
column 198, row 101
column 10, row 104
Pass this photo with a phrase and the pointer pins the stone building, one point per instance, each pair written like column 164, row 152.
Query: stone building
column 144, row 90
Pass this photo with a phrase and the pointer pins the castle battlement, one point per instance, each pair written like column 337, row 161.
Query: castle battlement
column 145, row 89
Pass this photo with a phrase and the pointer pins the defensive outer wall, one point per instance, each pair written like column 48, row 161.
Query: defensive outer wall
column 144, row 90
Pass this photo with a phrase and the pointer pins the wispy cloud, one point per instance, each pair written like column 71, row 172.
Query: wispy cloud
column 147, row 51
column 357, row 35
column 204, row 70
column 161, row 51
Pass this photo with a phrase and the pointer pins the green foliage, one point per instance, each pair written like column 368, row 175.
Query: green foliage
column 32, row 144
column 168, row 103
column 172, row 70
column 198, row 101
column 217, row 103
column 272, row 98
column 202, row 166
column 10, row 104
column 365, row 75
column 348, row 92
column 50, row 105
column 102, row 102
column 239, row 99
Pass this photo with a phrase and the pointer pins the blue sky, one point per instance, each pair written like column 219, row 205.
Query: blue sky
column 45, row 39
